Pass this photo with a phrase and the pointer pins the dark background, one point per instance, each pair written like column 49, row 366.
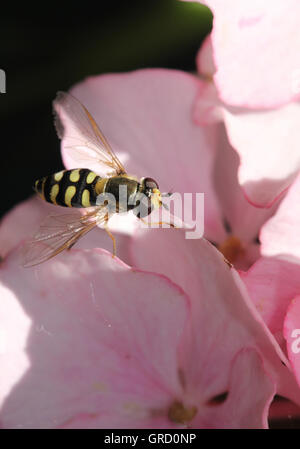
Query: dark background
column 50, row 47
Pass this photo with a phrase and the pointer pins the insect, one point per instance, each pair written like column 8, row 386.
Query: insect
column 80, row 187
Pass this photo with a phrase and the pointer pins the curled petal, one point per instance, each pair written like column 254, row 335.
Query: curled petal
column 247, row 376
column 205, row 62
column 255, row 46
column 280, row 236
column 272, row 284
column 267, row 141
column 268, row 145
column 244, row 219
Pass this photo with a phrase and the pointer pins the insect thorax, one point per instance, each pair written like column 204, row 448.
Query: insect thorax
column 130, row 194
column 124, row 190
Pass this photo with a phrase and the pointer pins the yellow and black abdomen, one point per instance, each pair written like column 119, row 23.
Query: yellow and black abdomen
column 69, row 188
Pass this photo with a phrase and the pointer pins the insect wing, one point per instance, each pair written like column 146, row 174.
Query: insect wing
column 83, row 142
column 59, row 232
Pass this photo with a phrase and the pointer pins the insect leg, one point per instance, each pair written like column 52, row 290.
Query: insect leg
column 110, row 235
column 71, row 245
column 158, row 223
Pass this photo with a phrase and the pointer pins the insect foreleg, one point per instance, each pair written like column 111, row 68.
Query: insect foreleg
column 110, row 235
column 158, row 223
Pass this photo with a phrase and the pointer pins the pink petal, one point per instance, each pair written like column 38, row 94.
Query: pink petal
column 21, row 222
column 14, row 331
column 256, row 416
column 205, row 62
column 280, row 236
column 251, row 388
column 272, row 284
column 208, row 108
column 292, row 334
column 222, row 312
column 24, row 220
column 266, row 141
column 146, row 116
column 256, row 51
column 90, row 325
column 268, row 145
column 101, row 350
column 244, row 219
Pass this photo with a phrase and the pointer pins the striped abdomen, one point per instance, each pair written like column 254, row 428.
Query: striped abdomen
column 70, row 188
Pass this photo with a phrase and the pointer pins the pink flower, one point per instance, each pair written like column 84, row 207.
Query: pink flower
column 256, row 93
column 88, row 341
column 238, row 30
column 273, row 282
column 252, row 67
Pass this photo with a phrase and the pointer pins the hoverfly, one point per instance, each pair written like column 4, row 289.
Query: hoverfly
column 80, row 188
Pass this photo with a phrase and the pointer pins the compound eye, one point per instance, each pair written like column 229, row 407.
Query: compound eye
column 150, row 184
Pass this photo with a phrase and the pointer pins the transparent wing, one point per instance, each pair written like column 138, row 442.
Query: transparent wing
column 59, row 232
column 83, row 139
